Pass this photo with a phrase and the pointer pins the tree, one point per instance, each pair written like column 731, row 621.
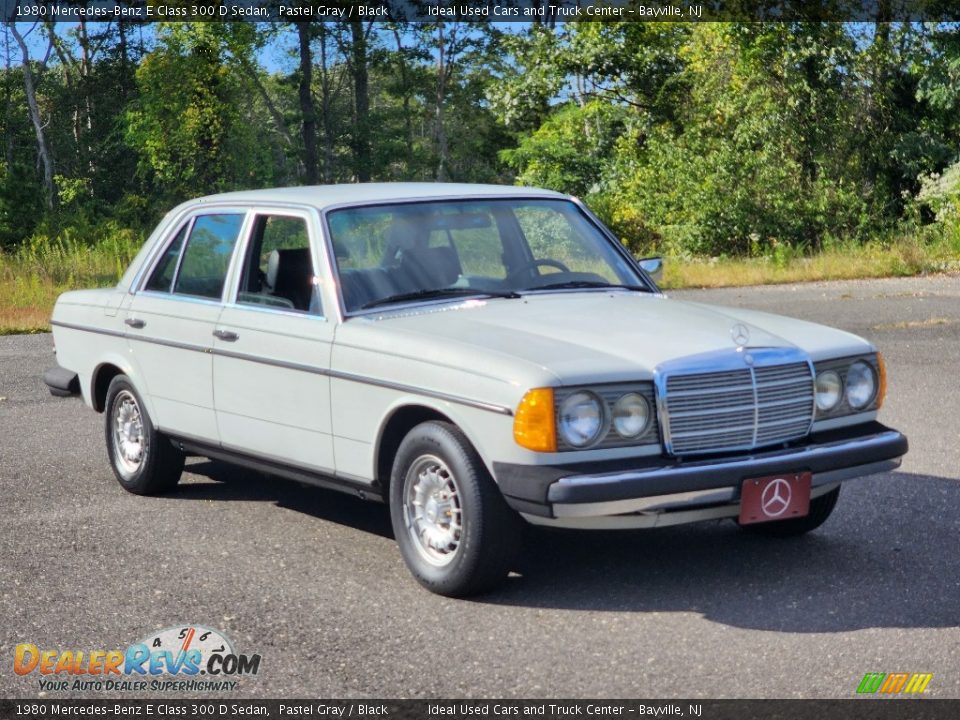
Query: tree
column 358, row 60
column 193, row 123
column 307, row 108
column 22, row 205
column 43, row 147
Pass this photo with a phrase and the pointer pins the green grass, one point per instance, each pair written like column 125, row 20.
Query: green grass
column 32, row 277
column 902, row 257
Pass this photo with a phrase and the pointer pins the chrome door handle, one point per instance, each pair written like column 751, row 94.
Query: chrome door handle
column 226, row 335
column 135, row 322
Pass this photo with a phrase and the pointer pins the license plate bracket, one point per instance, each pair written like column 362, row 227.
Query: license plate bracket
column 776, row 497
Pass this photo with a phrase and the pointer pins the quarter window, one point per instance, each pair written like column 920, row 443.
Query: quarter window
column 162, row 278
column 203, row 268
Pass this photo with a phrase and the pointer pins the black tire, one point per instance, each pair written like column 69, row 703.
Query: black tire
column 434, row 455
column 159, row 464
column 820, row 509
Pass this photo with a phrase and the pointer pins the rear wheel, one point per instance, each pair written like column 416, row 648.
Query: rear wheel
column 455, row 531
column 143, row 460
column 820, row 509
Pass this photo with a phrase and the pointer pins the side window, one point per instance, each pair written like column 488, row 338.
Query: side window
column 278, row 270
column 162, row 277
column 206, row 258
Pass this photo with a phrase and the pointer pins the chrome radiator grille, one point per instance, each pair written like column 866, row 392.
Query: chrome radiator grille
column 736, row 409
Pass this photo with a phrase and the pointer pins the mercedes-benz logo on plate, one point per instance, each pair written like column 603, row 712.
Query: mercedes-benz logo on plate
column 740, row 334
column 776, row 498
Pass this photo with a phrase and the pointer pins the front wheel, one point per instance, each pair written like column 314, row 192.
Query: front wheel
column 144, row 461
column 455, row 531
column 820, row 509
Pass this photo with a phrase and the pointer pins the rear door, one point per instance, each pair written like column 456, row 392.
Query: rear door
column 272, row 346
column 172, row 316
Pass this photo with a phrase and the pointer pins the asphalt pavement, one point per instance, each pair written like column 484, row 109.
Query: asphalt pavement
column 313, row 582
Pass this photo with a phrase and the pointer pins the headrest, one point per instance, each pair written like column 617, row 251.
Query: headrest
column 293, row 277
column 273, row 267
column 405, row 234
column 432, row 268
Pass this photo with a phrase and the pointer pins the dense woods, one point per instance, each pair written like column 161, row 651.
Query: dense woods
column 710, row 138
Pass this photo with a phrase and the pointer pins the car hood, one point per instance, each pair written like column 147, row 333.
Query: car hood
column 596, row 336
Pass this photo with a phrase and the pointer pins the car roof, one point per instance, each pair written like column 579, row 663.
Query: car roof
column 325, row 196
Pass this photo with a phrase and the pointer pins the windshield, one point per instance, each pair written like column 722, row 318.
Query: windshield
column 424, row 251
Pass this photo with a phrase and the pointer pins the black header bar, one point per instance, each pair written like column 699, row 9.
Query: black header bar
column 522, row 11
column 313, row 709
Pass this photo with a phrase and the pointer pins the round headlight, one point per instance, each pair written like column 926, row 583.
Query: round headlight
column 631, row 415
column 861, row 385
column 829, row 390
column 581, row 420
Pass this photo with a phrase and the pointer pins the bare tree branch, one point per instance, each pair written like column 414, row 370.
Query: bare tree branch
column 43, row 149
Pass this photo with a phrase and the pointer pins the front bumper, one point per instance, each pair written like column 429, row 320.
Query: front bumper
column 660, row 485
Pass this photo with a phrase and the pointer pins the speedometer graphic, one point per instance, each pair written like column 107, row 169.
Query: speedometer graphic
column 186, row 638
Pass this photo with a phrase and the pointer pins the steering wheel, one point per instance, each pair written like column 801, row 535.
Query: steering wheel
column 537, row 262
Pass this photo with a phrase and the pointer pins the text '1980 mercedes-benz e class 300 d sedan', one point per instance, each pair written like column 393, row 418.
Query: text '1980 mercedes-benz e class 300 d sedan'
column 474, row 356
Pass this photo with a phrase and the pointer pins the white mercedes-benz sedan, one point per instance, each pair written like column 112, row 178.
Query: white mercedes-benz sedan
column 474, row 356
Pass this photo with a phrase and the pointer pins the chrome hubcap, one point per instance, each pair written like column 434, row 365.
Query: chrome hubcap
column 432, row 511
column 128, row 432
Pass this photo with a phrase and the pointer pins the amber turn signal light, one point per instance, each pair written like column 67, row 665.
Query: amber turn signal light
column 534, row 424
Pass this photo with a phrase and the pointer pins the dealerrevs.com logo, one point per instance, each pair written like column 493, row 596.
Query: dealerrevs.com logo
column 178, row 659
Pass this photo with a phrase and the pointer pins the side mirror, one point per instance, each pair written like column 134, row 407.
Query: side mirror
column 653, row 266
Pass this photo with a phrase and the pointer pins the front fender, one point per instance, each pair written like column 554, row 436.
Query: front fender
column 473, row 423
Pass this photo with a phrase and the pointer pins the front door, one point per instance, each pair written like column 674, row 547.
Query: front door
column 272, row 349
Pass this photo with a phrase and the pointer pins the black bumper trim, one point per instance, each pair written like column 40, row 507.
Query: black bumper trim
column 648, row 477
column 62, row 382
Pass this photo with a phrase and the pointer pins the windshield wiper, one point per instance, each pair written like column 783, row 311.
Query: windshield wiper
column 572, row 284
column 437, row 293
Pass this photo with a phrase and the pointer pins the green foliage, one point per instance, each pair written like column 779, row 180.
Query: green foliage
column 939, row 197
column 753, row 165
column 529, row 72
column 97, row 254
column 192, row 121
column 45, row 265
column 569, row 152
column 745, row 139
column 769, row 140
column 21, row 204
column 940, row 194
